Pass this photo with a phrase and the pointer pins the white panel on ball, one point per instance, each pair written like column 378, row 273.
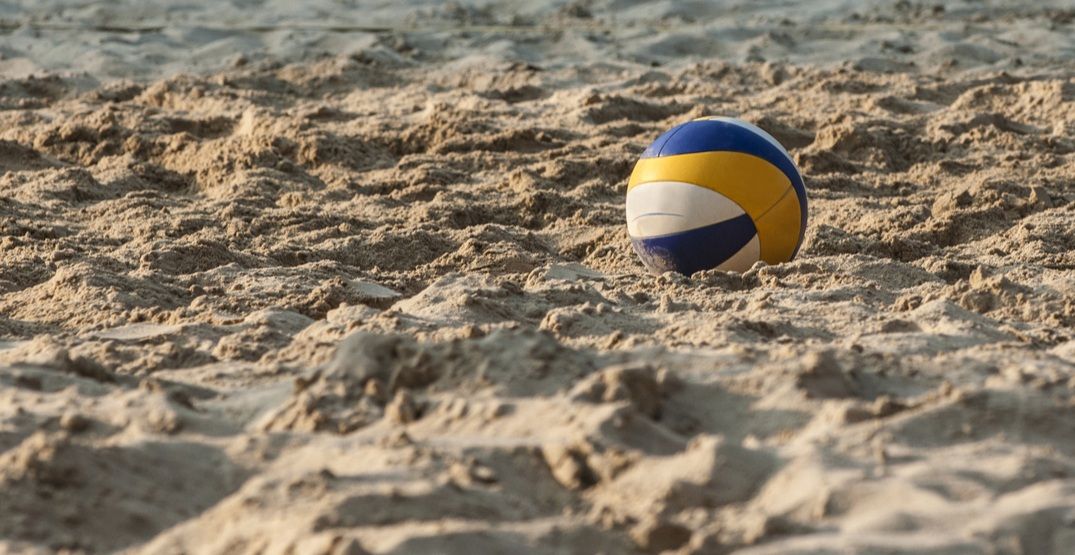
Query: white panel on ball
column 664, row 207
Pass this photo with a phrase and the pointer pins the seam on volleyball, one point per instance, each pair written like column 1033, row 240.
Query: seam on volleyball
column 678, row 129
column 767, row 210
column 644, row 214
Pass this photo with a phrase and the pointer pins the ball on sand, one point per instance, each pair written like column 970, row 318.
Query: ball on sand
column 715, row 193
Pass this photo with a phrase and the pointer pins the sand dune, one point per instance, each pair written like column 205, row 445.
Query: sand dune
column 355, row 279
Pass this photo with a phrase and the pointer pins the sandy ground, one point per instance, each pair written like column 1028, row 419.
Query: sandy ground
column 355, row 278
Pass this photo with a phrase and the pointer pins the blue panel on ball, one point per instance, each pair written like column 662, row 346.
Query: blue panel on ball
column 714, row 135
column 695, row 250
column 654, row 149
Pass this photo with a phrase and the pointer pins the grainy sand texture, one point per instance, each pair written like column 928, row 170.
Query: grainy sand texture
column 352, row 277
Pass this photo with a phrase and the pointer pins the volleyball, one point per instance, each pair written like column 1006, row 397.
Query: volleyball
column 715, row 193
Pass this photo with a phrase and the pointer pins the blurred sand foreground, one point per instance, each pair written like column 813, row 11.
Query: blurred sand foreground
column 354, row 278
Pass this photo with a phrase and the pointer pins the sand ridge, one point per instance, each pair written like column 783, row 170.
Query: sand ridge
column 379, row 302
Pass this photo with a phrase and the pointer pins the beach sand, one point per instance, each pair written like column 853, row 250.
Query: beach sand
column 355, row 278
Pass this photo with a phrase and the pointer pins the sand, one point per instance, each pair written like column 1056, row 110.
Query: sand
column 355, row 279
